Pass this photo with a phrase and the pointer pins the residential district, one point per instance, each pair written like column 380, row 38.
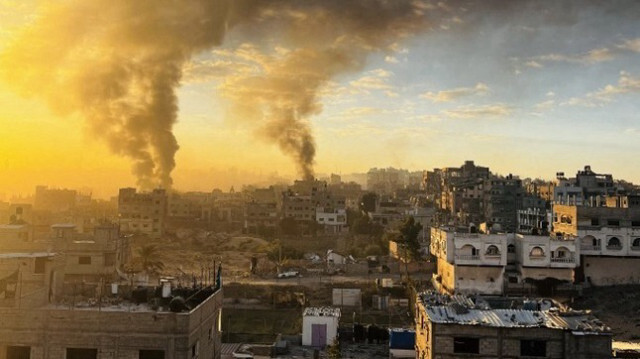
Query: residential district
column 454, row 262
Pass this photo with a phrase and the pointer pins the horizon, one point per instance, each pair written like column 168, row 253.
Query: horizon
column 524, row 88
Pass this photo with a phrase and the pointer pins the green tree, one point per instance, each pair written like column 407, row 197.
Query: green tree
column 409, row 230
column 368, row 202
column 148, row 259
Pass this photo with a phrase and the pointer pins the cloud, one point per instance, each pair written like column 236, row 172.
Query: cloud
column 454, row 94
column 534, row 64
column 626, row 84
column 373, row 80
column 591, row 57
column 545, row 105
column 485, row 111
column 391, row 59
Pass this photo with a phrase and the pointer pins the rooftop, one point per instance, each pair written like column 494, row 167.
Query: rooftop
column 321, row 312
column 520, row 313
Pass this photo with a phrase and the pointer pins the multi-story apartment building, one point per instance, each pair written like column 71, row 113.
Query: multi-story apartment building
column 609, row 241
column 500, row 263
column 587, row 188
column 142, row 212
column 464, row 327
column 301, row 200
column 502, row 200
column 43, row 317
column 91, row 258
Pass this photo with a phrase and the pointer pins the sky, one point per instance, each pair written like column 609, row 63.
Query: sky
column 106, row 94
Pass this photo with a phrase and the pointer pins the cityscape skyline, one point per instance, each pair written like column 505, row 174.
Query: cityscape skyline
column 521, row 88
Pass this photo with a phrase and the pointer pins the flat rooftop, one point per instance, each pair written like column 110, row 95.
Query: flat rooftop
column 509, row 313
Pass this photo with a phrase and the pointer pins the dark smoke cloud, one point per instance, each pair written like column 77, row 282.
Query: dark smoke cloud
column 119, row 62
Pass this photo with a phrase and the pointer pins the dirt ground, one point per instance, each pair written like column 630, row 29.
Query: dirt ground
column 617, row 307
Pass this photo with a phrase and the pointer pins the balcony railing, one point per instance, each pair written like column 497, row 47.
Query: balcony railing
column 635, row 248
column 614, row 247
column 563, row 260
column 586, row 247
column 536, row 258
column 468, row 257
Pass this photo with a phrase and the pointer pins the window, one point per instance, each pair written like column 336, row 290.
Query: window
column 82, row 353
column 614, row 243
column 84, row 260
column 536, row 252
column 194, row 350
column 492, row 251
column 636, row 242
column 533, row 348
column 595, row 222
column 466, row 345
column 15, row 352
column 39, row 265
column 151, row 354
column 613, row 222
column 511, row 248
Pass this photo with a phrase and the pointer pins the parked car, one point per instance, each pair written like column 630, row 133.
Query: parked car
column 289, row 274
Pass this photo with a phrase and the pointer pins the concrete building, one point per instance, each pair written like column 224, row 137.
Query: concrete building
column 320, row 326
column 115, row 328
column 333, row 220
column 609, row 240
column 502, row 200
column 144, row 213
column 42, row 317
column 460, row 327
column 469, row 262
column 92, row 258
column 501, row 263
column 587, row 188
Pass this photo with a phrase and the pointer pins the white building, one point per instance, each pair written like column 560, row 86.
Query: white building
column 492, row 263
column 333, row 220
column 320, row 326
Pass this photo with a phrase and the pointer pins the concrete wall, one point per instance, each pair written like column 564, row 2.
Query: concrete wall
column 603, row 271
column 116, row 334
column 332, row 328
column 505, row 342
column 471, row 279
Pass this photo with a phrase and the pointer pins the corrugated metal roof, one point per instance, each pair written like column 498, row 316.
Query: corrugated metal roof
column 456, row 310
column 322, row 312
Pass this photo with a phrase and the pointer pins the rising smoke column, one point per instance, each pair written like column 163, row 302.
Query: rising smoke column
column 326, row 38
column 118, row 63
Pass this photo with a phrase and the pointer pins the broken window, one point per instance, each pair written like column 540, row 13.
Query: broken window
column 82, row 353
column 466, row 345
column 533, row 348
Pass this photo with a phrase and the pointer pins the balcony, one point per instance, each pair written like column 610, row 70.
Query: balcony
column 468, row 257
column 614, row 247
column 563, row 260
column 588, row 247
column 635, row 248
column 536, row 257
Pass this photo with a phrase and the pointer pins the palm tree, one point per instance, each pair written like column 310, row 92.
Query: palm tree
column 149, row 259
